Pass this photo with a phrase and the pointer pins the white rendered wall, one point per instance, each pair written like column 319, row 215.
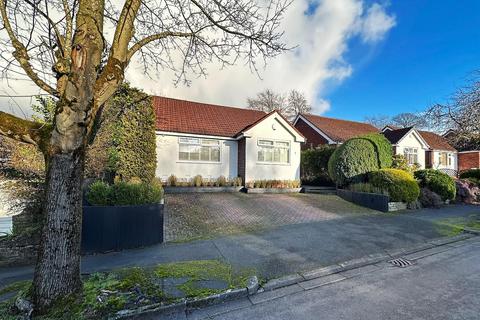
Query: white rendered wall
column 168, row 162
column 272, row 128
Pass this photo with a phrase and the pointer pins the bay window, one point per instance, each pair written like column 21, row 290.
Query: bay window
column 196, row 149
column 273, row 151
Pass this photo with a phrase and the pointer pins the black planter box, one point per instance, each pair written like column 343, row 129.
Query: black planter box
column 113, row 228
column 370, row 200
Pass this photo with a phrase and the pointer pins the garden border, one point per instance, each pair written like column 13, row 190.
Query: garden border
column 273, row 190
column 173, row 190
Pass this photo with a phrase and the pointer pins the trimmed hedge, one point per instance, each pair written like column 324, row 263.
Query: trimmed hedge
column 400, row 185
column 352, row 160
column 124, row 145
column 383, row 148
column 356, row 157
column 438, row 182
column 123, row 194
column 314, row 165
column 470, row 173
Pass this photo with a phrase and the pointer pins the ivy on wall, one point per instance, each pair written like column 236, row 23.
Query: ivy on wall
column 124, row 143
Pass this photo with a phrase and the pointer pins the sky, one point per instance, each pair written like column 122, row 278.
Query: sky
column 353, row 58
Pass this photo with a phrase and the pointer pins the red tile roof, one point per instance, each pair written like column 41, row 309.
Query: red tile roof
column 435, row 141
column 340, row 130
column 200, row 118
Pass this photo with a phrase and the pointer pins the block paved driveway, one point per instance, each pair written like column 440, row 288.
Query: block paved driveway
column 208, row 215
column 292, row 233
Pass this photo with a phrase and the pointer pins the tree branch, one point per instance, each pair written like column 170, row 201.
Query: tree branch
column 25, row 131
column 21, row 54
column 137, row 46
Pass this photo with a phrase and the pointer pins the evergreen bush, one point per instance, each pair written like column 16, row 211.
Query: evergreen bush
column 124, row 144
column 438, row 182
column 314, row 165
column 400, row 185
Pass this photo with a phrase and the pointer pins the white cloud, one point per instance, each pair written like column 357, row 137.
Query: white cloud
column 322, row 39
column 376, row 23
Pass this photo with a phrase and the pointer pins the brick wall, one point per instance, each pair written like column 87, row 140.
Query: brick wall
column 468, row 160
column 312, row 138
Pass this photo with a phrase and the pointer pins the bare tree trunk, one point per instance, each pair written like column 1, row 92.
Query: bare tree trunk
column 57, row 273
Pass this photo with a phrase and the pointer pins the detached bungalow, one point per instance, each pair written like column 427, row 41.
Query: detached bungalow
column 322, row 130
column 428, row 149
column 210, row 140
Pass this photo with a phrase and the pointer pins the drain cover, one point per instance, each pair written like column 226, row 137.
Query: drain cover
column 401, row 262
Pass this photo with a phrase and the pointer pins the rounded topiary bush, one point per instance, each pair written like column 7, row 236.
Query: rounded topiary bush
column 400, row 185
column 352, row 160
column 383, row 149
column 438, row 182
column 356, row 157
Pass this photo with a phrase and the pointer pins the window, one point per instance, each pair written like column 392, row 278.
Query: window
column 273, row 151
column 445, row 159
column 196, row 149
column 411, row 154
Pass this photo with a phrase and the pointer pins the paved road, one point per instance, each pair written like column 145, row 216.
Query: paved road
column 444, row 283
column 287, row 249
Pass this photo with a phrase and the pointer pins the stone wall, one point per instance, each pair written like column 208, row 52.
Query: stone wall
column 16, row 251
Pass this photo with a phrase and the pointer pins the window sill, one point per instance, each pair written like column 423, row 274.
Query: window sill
column 199, row 162
column 273, row 163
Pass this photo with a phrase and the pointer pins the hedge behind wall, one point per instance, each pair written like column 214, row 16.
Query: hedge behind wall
column 124, row 143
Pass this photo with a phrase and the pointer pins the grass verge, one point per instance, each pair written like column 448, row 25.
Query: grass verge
column 106, row 293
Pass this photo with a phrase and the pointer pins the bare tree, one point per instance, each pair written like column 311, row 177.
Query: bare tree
column 408, row 119
column 267, row 101
column 378, row 121
column 66, row 49
column 461, row 114
column 297, row 103
column 289, row 107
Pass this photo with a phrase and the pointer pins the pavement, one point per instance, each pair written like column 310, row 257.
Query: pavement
column 286, row 249
column 442, row 283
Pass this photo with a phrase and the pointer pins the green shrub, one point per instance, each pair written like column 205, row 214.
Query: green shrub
column 470, row 173
column 366, row 187
column 400, row 162
column 314, row 165
column 99, row 193
column 123, row 193
column 124, row 143
column 438, row 182
column 352, row 160
column 399, row 184
column 383, row 148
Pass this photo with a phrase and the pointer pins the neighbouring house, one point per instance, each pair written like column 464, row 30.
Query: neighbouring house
column 319, row 130
column 468, row 160
column 427, row 149
column 210, row 140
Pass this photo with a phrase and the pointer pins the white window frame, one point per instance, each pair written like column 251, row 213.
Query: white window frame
column 410, row 151
column 199, row 142
column 274, row 141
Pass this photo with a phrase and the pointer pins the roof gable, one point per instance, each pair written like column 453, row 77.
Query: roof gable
column 396, row 136
column 435, row 141
column 281, row 120
column 337, row 130
column 183, row 116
